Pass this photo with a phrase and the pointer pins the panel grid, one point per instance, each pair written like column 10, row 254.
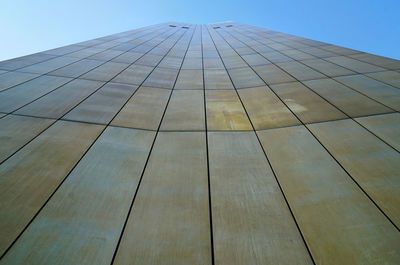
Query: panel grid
column 180, row 143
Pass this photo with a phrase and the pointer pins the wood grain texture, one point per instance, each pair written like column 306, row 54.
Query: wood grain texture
column 144, row 110
column 169, row 223
column 29, row 177
column 339, row 223
column 251, row 221
column 225, row 112
column 82, row 222
column 372, row 163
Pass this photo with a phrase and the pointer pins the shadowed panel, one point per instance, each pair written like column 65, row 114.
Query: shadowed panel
column 82, row 222
column 169, row 222
column 30, row 176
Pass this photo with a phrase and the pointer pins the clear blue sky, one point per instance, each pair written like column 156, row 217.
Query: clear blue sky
column 32, row 26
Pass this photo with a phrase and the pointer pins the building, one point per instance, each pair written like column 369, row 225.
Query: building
column 200, row 144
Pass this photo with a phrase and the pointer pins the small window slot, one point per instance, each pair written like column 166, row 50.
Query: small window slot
column 216, row 27
column 172, row 26
column 228, row 26
column 185, row 27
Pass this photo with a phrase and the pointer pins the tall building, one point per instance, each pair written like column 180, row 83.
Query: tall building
column 200, row 144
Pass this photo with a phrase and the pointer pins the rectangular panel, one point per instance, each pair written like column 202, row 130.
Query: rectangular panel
column 162, row 77
column 377, row 60
column 272, row 74
column 354, row 65
column 276, row 57
column 192, row 63
column 30, row 176
column 127, row 57
column 85, row 52
column 60, row 101
column 297, row 55
column 15, row 63
column 144, row 110
column 373, row 164
column 170, row 221
column 265, row 109
column 10, row 79
column 77, row 69
column 385, row 94
column 217, row 79
column 150, row 60
column 105, row 72
column 82, row 222
column 64, row 50
column 185, row 111
column 308, row 106
column 388, row 77
column 346, row 99
column 134, row 74
column 15, row 131
column 234, row 62
column 339, row 223
column 16, row 97
column 171, row 62
column 245, row 77
column 255, row 60
column 106, row 55
column 327, row 68
column 189, row 79
column 338, row 50
column 300, row 71
column 387, row 127
column 103, row 105
column 225, row 112
column 213, row 63
column 251, row 220
column 50, row 65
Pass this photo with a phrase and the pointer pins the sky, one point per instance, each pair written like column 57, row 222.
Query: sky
column 32, row 26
